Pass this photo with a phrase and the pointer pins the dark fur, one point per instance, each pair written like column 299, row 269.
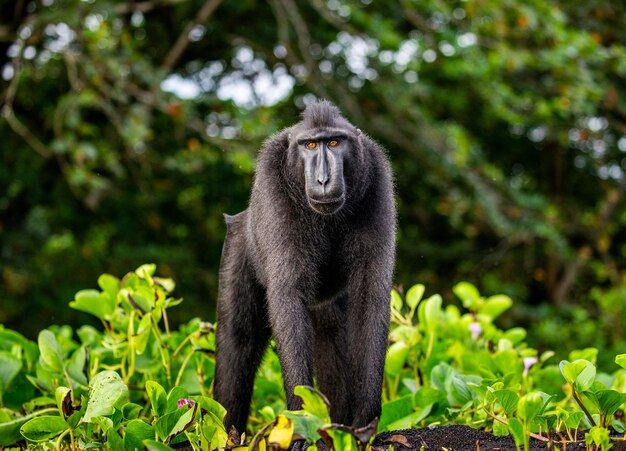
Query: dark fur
column 317, row 280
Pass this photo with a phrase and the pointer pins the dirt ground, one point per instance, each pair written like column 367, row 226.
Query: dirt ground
column 464, row 438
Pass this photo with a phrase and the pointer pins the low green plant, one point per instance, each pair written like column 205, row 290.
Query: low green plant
column 139, row 384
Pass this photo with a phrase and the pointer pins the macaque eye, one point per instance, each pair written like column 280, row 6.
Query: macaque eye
column 333, row 143
column 311, row 145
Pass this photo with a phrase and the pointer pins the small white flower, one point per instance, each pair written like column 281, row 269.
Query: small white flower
column 476, row 329
column 529, row 362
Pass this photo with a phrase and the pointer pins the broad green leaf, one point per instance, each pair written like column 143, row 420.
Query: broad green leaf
column 396, row 358
column 396, row 300
column 609, row 400
column 115, row 440
column 600, row 437
column 167, row 284
column 621, row 360
column 76, row 366
column 10, row 430
column 146, row 271
column 40, row 429
column 515, row 335
column 175, row 395
column 171, row 424
column 157, row 396
column 494, row 306
column 95, row 303
column 517, row 431
column 468, row 294
column 10, row 337
column 305, row 425
column 313, row 402
column 211, row 405
column 529, row 406
column 63, row 397
column 153, row 445
column 341, row 440
column 500, row 429
column 430, row 313
column 580, row 373
column 573, row 420
column 107, row 391
column 50, row 350
column 282, row 432
column 10, row 366
column 440, row 375
column 110, row 285
column 144, row 332
column 508, row 399
column 131, row 411
column 394, row 410
column 414, row 295
column 590, row 354
column 136, row 432
column 459, row 390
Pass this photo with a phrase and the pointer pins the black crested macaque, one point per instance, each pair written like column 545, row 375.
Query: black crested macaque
column 310, row 263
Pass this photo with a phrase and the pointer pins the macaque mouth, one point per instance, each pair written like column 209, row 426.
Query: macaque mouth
column 336, row 200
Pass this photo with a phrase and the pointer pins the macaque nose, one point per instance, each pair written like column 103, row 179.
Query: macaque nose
column 322, row 173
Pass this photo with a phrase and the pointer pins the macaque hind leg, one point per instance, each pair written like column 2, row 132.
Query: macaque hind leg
column 242, row 332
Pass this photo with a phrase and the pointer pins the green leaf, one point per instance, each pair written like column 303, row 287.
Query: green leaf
column 110, row 285
column 40, row 429
column 609, row 401
column 313, row 402
column 131, row 411
column 396, row 300
column 468, row 294
column 158, row 397
column 212, row 406
column 500, row 429
column 459, row 390
column 175, row 395
column 494, row 306
column 580, row 373
column 508, row 399
column 394, row 410
column 10, row 366
column 396, row 357
column 152, row 445
column 76, row 366
column 573, row 420
column 414, row 295
column 305, row 425
column 51, row 355
column 95, row 303
column 529, row 406
column 430, row 313
column 114, row 440
column 171, row 424
column 136, row 432
column 146, row 271
column 63, row 397
column 10, row 430
column 107, row 391
column 621, row 360
column 517, row 431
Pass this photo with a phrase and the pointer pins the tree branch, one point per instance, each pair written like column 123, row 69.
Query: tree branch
column 183, row 39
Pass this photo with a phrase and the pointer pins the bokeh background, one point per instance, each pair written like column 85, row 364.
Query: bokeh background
column 128, row 128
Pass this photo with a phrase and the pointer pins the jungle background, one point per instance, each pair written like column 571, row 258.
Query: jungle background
column 128, row 128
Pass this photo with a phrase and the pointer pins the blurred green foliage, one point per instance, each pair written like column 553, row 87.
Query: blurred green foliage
column 128, row 128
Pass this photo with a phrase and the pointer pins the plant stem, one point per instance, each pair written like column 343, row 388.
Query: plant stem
column 582, row 406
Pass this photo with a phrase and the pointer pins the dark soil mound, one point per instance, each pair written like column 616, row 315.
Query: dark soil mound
column 463, row 438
